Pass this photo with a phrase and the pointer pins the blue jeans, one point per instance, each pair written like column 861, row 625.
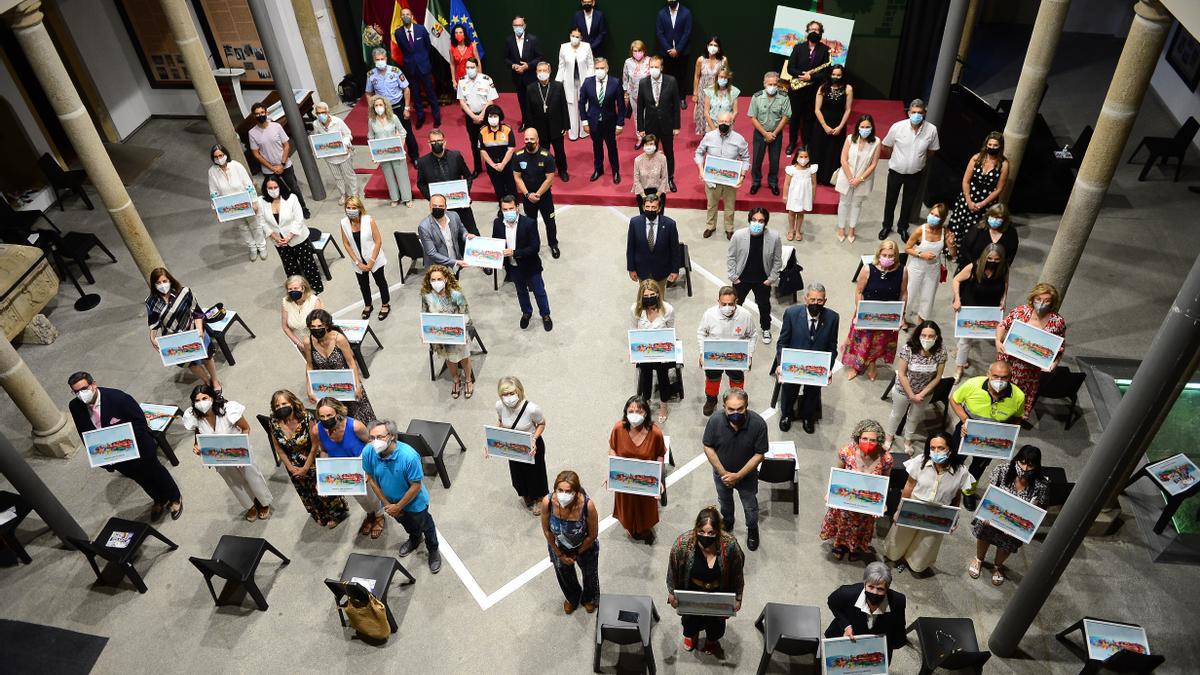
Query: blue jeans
column 418, row 524
column 524, row 285
column 747, row 490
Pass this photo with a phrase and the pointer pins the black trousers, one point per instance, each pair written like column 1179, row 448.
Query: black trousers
column 713, row 626
column 771, row 150
column 364, row 285
column 288, row 176
column 468, row 220
column 152, row 477
column 810, row 401
column 410, row 139
column 910, row 182
column 762, row 298
column 559, row 145
column 662, row 203
column 604, row 134
column 521, row 87
column 666, row 145
column 544, row 206
column 679, row 68
column 804, row 113
column 473, row 131
column 502, row 182
column 646, row 373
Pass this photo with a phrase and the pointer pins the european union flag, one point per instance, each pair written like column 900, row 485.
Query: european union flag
column 459, row 16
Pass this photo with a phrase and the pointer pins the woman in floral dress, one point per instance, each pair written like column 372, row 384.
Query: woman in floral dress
column 883, row 280
column 636, row 67
column 1040, row 311
column 707, row 66
column 292, row 430
column 852, row 532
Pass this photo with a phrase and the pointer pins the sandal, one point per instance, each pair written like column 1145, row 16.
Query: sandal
column 454, row 391
column 469, row 388
column 998, row 575
column 973, row 568
column 853, row 557
column 839, row 553
column 384, row 311
column 251, row 515
column 264, row 513
column 366, row 526
column 377, row 527
column 366, row 313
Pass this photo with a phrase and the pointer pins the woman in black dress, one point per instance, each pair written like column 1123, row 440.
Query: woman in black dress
column 834, row 99
column 995, row 228
column 982, row 183
column 982, row 283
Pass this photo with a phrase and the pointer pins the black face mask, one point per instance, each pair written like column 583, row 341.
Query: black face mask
column 874, row 598
column 531, row 147
column 991, row 266
column 295, row 295
column 651, row 301
column 283, row 412
column 651, row 215
column 437, row 148
column 329, row 423
column 318, row 332
column 706, row 540
column 835, row 79
column 260, row 118
column 672, row 3
column 437, row 212
column 724, row 128
column 815, row 310
column 993, row 151
column 814, row 37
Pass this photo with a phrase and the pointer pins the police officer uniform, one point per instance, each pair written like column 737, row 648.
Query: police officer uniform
column 532, row 168
column 496, row 144
column 476, row 94
column 390, row 83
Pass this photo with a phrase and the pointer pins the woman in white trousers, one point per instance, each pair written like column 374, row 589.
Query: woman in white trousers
column 856, row 177
column 927, row 247
column 341, row 166
column 212, row 414
column 574, row 66
column 228, row 177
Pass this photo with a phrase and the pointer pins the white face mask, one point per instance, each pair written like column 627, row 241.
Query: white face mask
column 601, row 73
column 802, row 161
column 220, row 161
column 728, row 310
column 438, row 285
column 649, row 149
column 997, row 385
column 381, row 64
column 655, row 72
column 494, row 121
column 635, row 419
column 564, row 498
column 543, row 76
column 471, row 73
column 772, row 90
column 379, row 445
column 379, row 109
column 928, row 344
column 509, row 400
column 273, row 193
column 574, row 41
column 713, row 49
column 203, row 406
column 86, row 395
column 163, row 287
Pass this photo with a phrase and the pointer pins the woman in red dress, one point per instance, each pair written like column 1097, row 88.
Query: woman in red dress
column 460, row 50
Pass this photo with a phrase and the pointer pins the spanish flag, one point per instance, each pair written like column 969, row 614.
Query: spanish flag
column 396, row 24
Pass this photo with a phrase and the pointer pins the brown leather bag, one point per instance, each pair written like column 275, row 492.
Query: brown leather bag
column 368, row 618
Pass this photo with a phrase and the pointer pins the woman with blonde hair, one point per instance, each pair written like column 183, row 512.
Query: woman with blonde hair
column 652, row 312
column 383, row 123
column 928, row 247
column 884, row 280
column 514, row 411
column 441, row 294
column 363, row 242
column 1040, row 311
column 298, row 302
column 636, row 67
column 982, row 283
column 994, row 228
column 721, row 97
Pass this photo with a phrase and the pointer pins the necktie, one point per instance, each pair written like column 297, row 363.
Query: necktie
column 657, row 88
column 650, row 235
column 410, row 37
column 600, row 90
column 812, row 327
column 95, row 410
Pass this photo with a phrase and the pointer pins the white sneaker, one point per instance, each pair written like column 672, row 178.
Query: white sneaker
column 766, row 334
column 253, row 253
column 262, row 252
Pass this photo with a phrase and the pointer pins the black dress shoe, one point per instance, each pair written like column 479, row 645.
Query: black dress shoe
column 729, row 235
column 754, row 188
column 884, row 232
column 752, row 538
column 785, row 424
column 671, row 184
column 555, row 252
column 616, row 178
column 789, row 150
column 775, row 190
column 419, row 123
column 475, row 174
column 904, row 234
column 595, row 176
column 525, row 320
column 488, row 271
column 547, row 323
column 566, row 177
column 810, row 427
column 683, row 104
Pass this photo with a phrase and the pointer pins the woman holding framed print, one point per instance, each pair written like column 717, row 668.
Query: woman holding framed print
column 384, row 123
column 228, row 177
column 921, row 362
column 937, row 477
column 282, row 217
column 514, row 411
column 210, row 413
column 981, row 283
column 651, row 312
column 328, row 349
column 362, row 239
column 927, row 248
column 441, row 294
column 340, row 435
column 292, row 430
column 1021, row 477
column 171, row 308
column 706, row 559
column 852, row 532
column 1040, row 311
column 570, row 524
column 637, row 437
column 883, row 280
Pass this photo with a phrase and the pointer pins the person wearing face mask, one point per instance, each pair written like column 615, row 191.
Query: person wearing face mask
column 834, row 100
column 855, row 178
column 328, row 349
column 94, row 407
column 673, row 31
column 636, row 436
column 292, row 430
column 443, row 236
column 575, row 64
column 570, row 524
column 461, row 51
column 475, row 92
column 341, row 166
column 800, row 186
column 441, row 294
column 913, row 142
column 706, row 558
column 658, row 113
column 884, row 280
column 590, row 22
column 992, row 397
column 548, row 115
column 922, row 361
column 869, row 608
column 521, row 260
column 753, row 263
column 171, row 308
column 982, row 184
column 338, row 435
column 721, row 97
column 1040, row 311
column 440, row 165
column 928, row 249
column 769, row 112
column 514, row 411
column 735, row 442
column 384, row 123
column 1023, row 478
column 298, row 300
column 279, row 214
column 636, row 67
column 390, row 83
column 602, row 109
column 523, row 54
column 270, row 145
column 994, row 228
column 982, row 283
column 852, row 532
column 727, row 320
column 499, row 145
column 650, row 175
column 652, row 250
column 228, row 177
column 806, row 69
column 652, row 312
column 936, row 477
column 534, row 176
column 726, row 143
column 415, row 47
column 704, row 78
column 394, row 473
column 362, row 241
column 210, row 413
column 809, row 326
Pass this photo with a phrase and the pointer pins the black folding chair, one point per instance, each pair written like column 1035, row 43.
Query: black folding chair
column 1162, row 148
column 236, row 560
column 376, row 569
column 8, row 531
column 410, row 247
column 429, row 439
column 118, row 544
column 687, row 267
column 897, row 479
column 782, row 471
column 64, row 180
column 320, row 242
column 219, row 331
column 24, row 219
column 75, row 248
column 472, row 334
column 1124, row 661
column 625, row 620
column 949, row 644
column 793, row 630
column 1061, row 383
column 1079, row 149
column 266, row 425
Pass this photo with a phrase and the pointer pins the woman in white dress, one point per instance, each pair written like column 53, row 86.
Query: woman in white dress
column 297, row 303
column 636, row 67
column 228, row 177
column 574, row 66
column 856, row 177
column 926, row 248
column 212, row 414
column 936, row 477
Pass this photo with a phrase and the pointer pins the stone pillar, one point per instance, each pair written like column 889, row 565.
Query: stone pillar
column 964, row 44
column 184, row 30
column 27, row 483
column 310, row 35
column 1039, row 55
column 53, row 434
column 26, row 22
column 1139, row 56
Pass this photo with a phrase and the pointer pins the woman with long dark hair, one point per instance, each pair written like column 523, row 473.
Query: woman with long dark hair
column 936, row 477
column 982, row 183
column 328, row 349
column 292, row 431
column 636, row 436
column 228, row 177
column 171, row 308
column 1023, row 478
column 835, row 97
column 281, row 215
column 210, row 413
column 856, row 176
column 706, row 559
column 981, row 283
column 919, row 368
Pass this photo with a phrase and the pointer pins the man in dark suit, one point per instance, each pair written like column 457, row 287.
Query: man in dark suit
column 806, row 56
column 811, row 327
column 523, row 54
column 442, row 164
column 549, row 115
column 652, row 248
column 658, row 112
column 602, row 109
column 590, row 22
column 521, row 259
column 414, row 45
column 673, row 30
column 850, row 605
column 96, row 407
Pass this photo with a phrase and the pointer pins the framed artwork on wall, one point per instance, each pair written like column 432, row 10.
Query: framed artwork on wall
column 154, row 44
column 1183, row 53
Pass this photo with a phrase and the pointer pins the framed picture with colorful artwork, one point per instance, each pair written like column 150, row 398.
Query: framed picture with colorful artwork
column 443, row 329
column 224, row 449
column 1009, row 513
column 994, row 440
column 1032, row 345
column 863, row 655
column 857, row 492
column 977, row 323
column 654, row 345
column 726, row 354
column 110, row 445
column 635, row 476
column 341, row 476
column 510, row 444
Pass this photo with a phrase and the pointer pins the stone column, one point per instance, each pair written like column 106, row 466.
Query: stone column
column 184, row 30
column 964, row 44
column 1139, row 56
column 53, row 434
column 310, row 35
column 26, row 22
column 1039, row 55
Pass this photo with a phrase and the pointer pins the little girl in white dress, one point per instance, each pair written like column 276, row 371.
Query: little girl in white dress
column 800, row 184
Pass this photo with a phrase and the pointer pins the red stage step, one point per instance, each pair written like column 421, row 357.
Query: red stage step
column 579, row 157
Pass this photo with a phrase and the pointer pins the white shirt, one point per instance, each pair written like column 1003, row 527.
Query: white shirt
column 226, row 424
column 529, row 421
column 447, row 237
column 861, row 603
column 716, row 326
column 909, row 147
column 521, row 47
column 510, row 235
column 674, row 13
column 587, row 21
column 478, row 92
column 665, row 318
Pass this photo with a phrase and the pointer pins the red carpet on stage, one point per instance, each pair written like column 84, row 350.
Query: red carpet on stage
column 603, row 192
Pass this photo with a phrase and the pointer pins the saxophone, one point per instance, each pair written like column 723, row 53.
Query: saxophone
column 795, row 82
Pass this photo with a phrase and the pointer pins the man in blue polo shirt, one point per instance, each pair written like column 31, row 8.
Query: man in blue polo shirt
column 394, row 473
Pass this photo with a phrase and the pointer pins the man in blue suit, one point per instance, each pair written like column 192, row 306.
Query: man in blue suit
column 590, row 22
column 652, row 248
column 674, row 29
column 602, row 109
column 414, row 45
column 812, row 327
column 521, row 259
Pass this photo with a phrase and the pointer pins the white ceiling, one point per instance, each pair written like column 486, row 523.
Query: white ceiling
column 1187, row 12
